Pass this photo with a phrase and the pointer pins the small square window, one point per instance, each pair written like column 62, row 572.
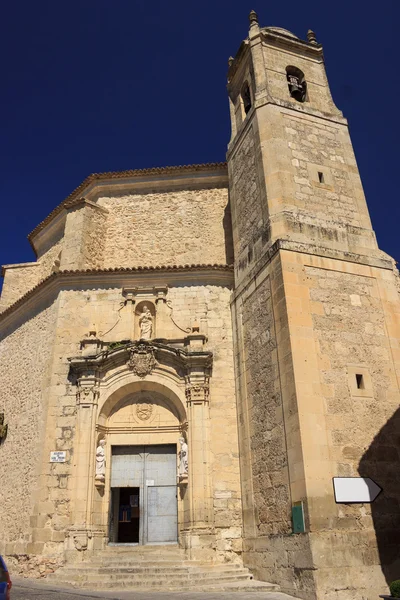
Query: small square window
column 360, row 381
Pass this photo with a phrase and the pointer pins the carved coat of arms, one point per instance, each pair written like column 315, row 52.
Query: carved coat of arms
column 142, row 360
column 144, row 410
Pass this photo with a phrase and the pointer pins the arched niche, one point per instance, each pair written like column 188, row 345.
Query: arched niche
column 162, row 396
column 144, row 409
column 145, row 321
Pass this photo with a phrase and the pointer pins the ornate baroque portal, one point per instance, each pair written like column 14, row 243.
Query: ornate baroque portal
column 132, row 400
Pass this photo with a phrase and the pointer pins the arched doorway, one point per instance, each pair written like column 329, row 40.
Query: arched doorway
column 142, row 396
column 141, row 433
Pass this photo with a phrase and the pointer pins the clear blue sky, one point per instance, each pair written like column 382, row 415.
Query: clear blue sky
column 95, row 85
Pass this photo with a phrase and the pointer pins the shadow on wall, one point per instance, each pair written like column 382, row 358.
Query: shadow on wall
column 227, row 225
column 381, row 462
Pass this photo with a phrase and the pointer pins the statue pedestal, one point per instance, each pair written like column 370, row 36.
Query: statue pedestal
column 99, row 482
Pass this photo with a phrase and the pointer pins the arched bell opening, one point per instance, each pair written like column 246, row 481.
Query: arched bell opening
column 297, row 84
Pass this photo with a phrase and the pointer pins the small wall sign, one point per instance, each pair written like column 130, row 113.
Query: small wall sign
column 298, row 518
column 355, row 490
column 150, row 482
column 57, row 457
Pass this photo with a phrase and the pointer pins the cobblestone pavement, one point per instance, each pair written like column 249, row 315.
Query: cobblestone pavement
column 25, row 589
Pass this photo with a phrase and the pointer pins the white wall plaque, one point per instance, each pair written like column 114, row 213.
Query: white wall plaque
column 149, row 481
column 355, row 489
column 223, row 494
column 57, row 457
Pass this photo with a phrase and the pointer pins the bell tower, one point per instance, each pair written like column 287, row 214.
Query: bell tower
column 293, row 171
column 316, row 323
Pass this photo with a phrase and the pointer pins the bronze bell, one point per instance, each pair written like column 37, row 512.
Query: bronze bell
column 297, row 89
column 294, row 83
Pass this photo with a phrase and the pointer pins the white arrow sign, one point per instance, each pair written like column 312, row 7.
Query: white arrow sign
column 355, row 489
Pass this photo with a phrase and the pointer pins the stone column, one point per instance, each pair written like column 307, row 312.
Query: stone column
column 200, row 528
column 81, row 531
column 198, row 436
column 161, row 314
column 128, row 313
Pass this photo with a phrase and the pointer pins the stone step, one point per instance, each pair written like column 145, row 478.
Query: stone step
column 151, row 568
column 112, row 559
column 145, row 550
column 128, row 575
column 136, row 560
column 269, row 591
column 236, row 587
column 132, row 574
column 156, row 569
column 144, row 577
column 227, row 584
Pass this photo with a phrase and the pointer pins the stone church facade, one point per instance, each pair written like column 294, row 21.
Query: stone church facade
column 199, row 350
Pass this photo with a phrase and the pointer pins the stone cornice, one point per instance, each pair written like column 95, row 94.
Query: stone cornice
column 280, row 39
column 217, row 274
column 18, row 266
column 382, row 261
column 180, row 359
column 288, row 108
column 82, row 202
column 120, row 175
column 288, row 42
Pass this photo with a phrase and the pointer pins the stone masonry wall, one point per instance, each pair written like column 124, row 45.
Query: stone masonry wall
column 245, row 192
column 178, row 227
column 266, row 391
column 349, row 324
column 324, row 194
column 319, row 96
column 78, row 310
column 93, row 238
column 19, row 280
column 24, row 356
column 320, row 144
column 269, row 455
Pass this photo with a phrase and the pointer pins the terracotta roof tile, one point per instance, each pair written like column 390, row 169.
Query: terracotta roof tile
column 161, row 269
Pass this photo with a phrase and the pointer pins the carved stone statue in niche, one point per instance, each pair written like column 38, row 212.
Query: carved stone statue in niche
column 146, row 323
column 183, row 469
column 101, row 461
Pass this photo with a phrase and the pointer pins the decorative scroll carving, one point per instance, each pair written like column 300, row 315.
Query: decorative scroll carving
column 87, row 394
column 142, row 360
column 186, row 329
column 81, row 541
column 121, row 306
column 192, row 364
column 183, row 427
column 197, row 392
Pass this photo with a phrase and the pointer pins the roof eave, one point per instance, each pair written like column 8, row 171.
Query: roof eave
column 121, row 175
